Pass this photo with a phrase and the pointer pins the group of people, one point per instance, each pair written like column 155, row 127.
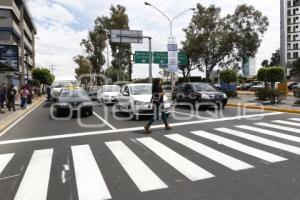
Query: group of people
column 9, row 95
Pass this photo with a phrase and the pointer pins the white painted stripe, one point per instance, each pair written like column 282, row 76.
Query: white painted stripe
column 35, row 182
column 180, row 163
column 21, row 118
column 261, row 140
column 105, row 122
column 81, row 134
column 89, row 180
column 141, row 175
column 240, row 147
column 219, row 157
column 287, row 122
column 295, row 119
column 284, row 128
column 271, row 133
column 188, row 114
column 4, row 160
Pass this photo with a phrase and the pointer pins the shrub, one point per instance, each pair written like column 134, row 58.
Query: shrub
column 269, row 94
column 230, row 93
column 270, row 74
column 228, row 75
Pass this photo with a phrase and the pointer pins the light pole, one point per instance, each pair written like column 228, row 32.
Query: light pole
column 170, row 20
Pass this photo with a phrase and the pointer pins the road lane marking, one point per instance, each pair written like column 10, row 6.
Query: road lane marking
column 105, row 122
column 18, row 120
column 35, row 182
column 217, row 156
column 269, row 157
column 286, row 122
column 4, row 160
column 284, row 128
column 271, row 133
column 295, row 119
column 143, row 177
column 180, row 163
column 81, row 134
column 261, row 140
column 89, row 180
column 197, row 116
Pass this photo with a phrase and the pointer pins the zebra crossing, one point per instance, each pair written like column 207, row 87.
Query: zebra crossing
column 91, row 182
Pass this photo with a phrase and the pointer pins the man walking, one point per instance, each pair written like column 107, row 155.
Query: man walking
column 11, row 98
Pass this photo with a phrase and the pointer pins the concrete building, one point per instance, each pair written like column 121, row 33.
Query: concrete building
column 17, row 38
column 290, row 31
column 249, row 67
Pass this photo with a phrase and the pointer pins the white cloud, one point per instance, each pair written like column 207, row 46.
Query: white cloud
column 57, row 23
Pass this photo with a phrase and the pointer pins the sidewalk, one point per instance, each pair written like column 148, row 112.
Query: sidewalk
column 9, row 117
column 251, row 102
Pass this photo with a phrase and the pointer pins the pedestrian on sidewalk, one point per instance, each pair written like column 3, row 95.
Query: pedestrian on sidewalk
column 11, row 98
column 24, row 96
column 30, row 95
column 3, row 94
column 48, row 93
column 156, row 101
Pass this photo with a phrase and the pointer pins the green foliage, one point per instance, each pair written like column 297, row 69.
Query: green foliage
column 265, row 63
column 115, row 74
column 228, row 75
column 35, row 83
column 271, row 74
column 295, row 68
column 231, row 93
column 269, row 94
column 262, row 74
column 274, row 61
column 83, row 68
column 43, row 75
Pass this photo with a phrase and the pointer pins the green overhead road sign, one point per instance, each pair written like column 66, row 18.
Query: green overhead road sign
column 160, row 57
column 141, row 57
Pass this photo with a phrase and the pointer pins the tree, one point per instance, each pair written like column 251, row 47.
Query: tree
column 275, row 59
column 115, row 74
column 271, row 74
column 212, row 40
column 265, row 63
column 295, row 68
column 43, row 75
column 165, row 73
column 83, row 69
column 228, row 76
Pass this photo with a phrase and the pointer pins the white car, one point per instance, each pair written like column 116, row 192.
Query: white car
column 108, row 94
column 135, row 99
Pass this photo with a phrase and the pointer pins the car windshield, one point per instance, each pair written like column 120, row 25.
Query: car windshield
column 141, row 89
column 73, row 93
column 94, row 89
column 61, row 84
column 111, row 88
column 203, row 87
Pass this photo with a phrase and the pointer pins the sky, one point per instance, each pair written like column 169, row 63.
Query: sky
column 62, row 24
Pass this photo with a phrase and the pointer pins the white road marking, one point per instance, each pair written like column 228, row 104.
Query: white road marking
column 143, row 177
column 295, row 119
column 261, row 140
column 89, row 180
column 81, row 134
column 286, row 122
column 217, row 156
column 284, row 128
column 106, row 122
column 180, row 163
column 18, row 120
column 4, row 160
column 271, row 133
column 240, row 147
column 187, row 114
column 34, row 185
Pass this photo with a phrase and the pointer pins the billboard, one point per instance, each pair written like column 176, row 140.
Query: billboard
column 9, row 56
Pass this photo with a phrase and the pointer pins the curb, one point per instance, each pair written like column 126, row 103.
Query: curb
column 5, row 125
column 252, row 93
column 268, row 108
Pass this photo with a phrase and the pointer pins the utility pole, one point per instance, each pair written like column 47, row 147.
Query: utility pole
column 22, row 44
column 52, row 67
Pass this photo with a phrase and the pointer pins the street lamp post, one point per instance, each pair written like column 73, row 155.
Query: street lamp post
column 171, row 38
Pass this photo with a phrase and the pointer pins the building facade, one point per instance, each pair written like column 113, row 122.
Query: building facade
column 17, row 42
column 249, row 67
column 290, row 32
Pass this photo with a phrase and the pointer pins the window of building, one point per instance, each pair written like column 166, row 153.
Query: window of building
column 295, row 46
column 289, row 29
column 289, row 55
column 295, row 37
column 289, row 37
column 289, row 4
column 289, row 20
column 289, row 13
column 295, row 55
column 289, row 45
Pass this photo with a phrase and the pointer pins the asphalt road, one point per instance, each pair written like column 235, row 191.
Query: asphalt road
column 212, row 155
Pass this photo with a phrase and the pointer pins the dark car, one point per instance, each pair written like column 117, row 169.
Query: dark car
column 73, row 100
column 196, row 93
column 247, row 86
column 92, row 92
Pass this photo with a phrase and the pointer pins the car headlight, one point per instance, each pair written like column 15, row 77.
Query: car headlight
column 62, row 104
column 87, row 103
column 224, row 96
column 204, row 96
column 138, row 103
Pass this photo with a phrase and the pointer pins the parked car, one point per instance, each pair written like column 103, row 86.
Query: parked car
column 108, row 94
column 258, row 86
column 217, row 86
column 196, row 93
column 291, row 85
column 247, row 86
column 135, row 99
column 73, row 100
column 92, row 92
column 296, row 90
column 296, row 86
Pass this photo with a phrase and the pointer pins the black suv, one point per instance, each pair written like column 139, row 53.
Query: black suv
column 196, row 93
